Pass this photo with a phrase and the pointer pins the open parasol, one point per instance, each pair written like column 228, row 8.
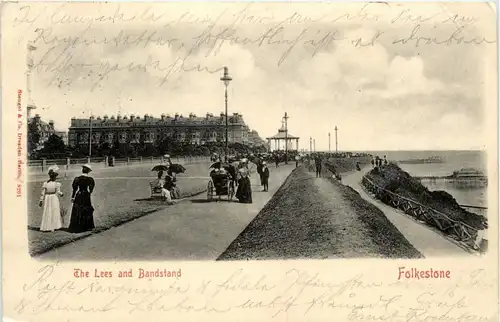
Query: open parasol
column 255, row 160
column 177, row 168
column 216, row 164
column 160, row 167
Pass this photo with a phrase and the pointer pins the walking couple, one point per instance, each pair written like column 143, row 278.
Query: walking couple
column 82, row 213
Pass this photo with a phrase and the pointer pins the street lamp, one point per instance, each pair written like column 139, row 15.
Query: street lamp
column 226, row 79
column 286, row 137
column 336, row 141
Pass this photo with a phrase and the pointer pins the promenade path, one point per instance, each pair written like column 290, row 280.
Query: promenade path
column 193, row 229
column 428, row 242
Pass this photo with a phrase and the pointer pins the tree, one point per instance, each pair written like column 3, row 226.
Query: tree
column 54, row 145
column 34, row 135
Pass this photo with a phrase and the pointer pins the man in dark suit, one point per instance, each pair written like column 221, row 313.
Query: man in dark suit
column 318, row 166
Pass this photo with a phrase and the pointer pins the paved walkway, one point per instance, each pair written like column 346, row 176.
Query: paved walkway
column 428, row 242
column 190, row 230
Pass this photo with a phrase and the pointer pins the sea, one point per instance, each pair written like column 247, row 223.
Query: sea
column 453, row 161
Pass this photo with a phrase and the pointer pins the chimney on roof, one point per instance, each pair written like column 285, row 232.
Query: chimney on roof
column 118, row 117
column 146, row 117
column 105, row 117
column 163, row 117
column 132, row 117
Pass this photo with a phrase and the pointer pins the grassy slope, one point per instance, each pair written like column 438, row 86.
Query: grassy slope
column 342, row 165
column 394, row 179
column 304, row 221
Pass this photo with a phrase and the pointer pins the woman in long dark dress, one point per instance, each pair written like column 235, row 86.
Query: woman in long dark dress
column 244, row 192
column 264, row 177
column 82, row 214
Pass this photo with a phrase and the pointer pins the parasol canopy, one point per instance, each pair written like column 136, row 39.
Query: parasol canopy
column 160, row 167
column 215, row 165
column 177, row 168
column 255, row 160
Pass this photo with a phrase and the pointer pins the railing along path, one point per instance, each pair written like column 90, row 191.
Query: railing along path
column 455, row 229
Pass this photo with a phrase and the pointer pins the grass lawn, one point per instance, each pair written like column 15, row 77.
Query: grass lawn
column 116, row 199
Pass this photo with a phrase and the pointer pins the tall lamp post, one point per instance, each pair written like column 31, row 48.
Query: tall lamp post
column 336, row 142
column 226, row 79
column 286, row 138
column 329, row 141
column 90, row 135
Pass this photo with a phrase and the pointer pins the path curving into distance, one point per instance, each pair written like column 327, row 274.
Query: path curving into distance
column 428, row 242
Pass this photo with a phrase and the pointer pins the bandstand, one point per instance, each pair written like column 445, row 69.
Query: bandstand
column 281, row 138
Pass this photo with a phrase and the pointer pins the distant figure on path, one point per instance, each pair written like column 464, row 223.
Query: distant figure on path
column 244, row 191
column 297, row 159
column 277, row 161
column 385, row 160
column 373, row 163
column 51, row 191
column 264, row 176
column 260, row 165
column 82, row 214
column 318, row 166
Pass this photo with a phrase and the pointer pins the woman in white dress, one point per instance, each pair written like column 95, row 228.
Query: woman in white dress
column 49, row 200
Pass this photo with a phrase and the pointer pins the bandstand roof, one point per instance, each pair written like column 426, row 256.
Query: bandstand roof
column 282, row 135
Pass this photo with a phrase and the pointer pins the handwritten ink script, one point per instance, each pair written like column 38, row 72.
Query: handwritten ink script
column 295, row 292
column 74, row 47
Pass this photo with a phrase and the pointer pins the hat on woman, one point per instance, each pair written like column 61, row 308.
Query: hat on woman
column 243, row 172
column 166, row 156
column 244, row 160
column 53, row 169
column 86, row 165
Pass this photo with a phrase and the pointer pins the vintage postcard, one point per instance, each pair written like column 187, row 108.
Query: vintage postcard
column 249, row 161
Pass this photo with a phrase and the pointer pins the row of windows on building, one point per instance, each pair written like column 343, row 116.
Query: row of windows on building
column 150, row 137
column 86, row 123
column 210, row 119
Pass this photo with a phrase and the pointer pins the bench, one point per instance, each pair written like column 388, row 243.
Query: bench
column 155, row 190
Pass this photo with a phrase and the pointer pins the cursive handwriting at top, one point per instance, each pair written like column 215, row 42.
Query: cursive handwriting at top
column 455, row 38
column 296, row 33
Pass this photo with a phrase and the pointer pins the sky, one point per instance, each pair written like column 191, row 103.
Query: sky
column 366, row 75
